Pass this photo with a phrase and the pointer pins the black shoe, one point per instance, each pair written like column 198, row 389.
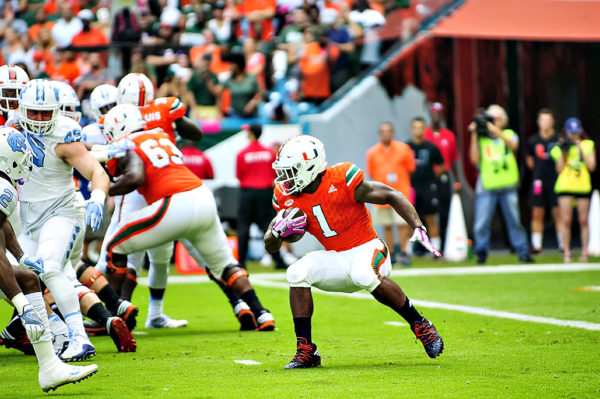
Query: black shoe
column 94, row 329
column 307, row 356
column 245, row 316
column 20, row 343
column 425, row 331
column 481, row 258
column 526, row 259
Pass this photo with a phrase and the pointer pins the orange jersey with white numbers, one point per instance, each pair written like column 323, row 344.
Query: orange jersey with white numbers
column 333, row 216
column 163, row 164
column 163, row 112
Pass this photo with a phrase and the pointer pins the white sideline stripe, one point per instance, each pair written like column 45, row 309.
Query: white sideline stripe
column 247, row 362
column 432, row 271
column 460, row 308
column 395, row 323
column 594, row 288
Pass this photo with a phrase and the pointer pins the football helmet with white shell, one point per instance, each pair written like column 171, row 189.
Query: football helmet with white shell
column 69, row 103
column 122, row 120
column 299, row 162
column 15, row 156
column 12, row 80
column 102, row 99
column 135, row 88
column 39, row 105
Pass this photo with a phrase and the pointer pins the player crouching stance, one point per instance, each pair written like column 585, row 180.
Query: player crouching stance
column 19, row 284
column 180, row 207
column 333, row 201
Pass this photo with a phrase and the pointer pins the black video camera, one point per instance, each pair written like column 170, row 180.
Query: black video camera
column 566, row 144
column 481, row 120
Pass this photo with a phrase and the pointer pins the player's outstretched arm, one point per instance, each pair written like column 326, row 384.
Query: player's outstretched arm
column 272, row 243
column 76, row 155
column 188, row 129
column 378, row 193
column 133, row 174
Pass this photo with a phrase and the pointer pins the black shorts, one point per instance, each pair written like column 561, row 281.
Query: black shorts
column 576, row 195
column 426, row 199
column 546, row 199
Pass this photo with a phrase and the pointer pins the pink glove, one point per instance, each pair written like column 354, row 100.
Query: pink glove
column 420, row 235
column 285, row 226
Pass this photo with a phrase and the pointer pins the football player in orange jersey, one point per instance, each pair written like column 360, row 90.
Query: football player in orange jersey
column 167, row 113
column 333, row 201
column 180, row 207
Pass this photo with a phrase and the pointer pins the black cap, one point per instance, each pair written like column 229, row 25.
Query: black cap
column 255, row 128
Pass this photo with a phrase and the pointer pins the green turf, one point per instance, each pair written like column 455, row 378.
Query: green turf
column 485, row 357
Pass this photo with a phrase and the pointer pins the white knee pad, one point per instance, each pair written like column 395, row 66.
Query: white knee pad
column 297, row 274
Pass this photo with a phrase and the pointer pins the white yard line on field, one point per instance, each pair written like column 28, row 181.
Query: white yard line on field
column 274, row 280
column 431, row 271
column 247, row 362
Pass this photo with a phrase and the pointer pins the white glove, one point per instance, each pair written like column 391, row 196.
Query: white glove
column 33, row 323
column 420, row 236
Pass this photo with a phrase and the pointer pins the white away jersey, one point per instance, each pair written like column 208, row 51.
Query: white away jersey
column 51, row 177
column 92, row 134
column 8, row 197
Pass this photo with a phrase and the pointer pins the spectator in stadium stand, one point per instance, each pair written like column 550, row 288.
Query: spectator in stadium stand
column 96, row 76
column 255, row 61
column 67, row 68
column 340, row 35
column 89, row 36
column 204, row 85
column 219, row 25
column 139, row 64
column 41, row 21
column 370, row 21
column 430, row 166
column 256, row 176
column 575, row 159
column 43, row 63
column 13, row 51
column 67, row 26
column 292, row 33
column 243, row 90
column 9, row 20
column 544, row 175
column 315, row 66
column 196, row 160
column 391, row 162
column 445, row 141
column 493, row 151
column 217, row 64
column 259, row 16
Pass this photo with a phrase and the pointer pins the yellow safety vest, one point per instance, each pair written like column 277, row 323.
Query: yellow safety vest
column 498, row 165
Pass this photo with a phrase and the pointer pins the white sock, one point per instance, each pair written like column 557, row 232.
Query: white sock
column 44, row 351
column 66, row 299
column 57, row 326
column 74, row 322
column 559, row 240
column 155, row 308
column 436, row 242
column 536, row 240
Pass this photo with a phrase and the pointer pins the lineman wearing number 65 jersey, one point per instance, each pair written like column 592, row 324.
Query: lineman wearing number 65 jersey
column 53, row 214
column 333, row 201
column 180, row 206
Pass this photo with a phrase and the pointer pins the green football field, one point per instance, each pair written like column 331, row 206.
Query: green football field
column 509, row 331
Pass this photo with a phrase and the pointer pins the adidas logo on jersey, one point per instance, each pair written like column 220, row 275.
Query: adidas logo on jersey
column 331, row 189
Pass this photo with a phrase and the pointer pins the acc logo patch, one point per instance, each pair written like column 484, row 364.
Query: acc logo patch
column 289, row 202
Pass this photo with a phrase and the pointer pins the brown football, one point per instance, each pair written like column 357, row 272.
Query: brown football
column 297, row 236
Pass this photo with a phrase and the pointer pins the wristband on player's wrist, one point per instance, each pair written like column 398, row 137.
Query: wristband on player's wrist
column 20, row 256
column 98, row 196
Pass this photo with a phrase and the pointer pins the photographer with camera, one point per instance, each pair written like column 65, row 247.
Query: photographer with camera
column 575, row 158
column 493, row 149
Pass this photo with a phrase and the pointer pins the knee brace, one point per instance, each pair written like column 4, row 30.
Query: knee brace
column 111, row 258
column 131, row 275
column 93, row 276
column 82, row 290
column 234, row 276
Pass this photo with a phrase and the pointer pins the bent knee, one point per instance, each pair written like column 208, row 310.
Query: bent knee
column 28, row 280
column 297, row 275
column 365, row 279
